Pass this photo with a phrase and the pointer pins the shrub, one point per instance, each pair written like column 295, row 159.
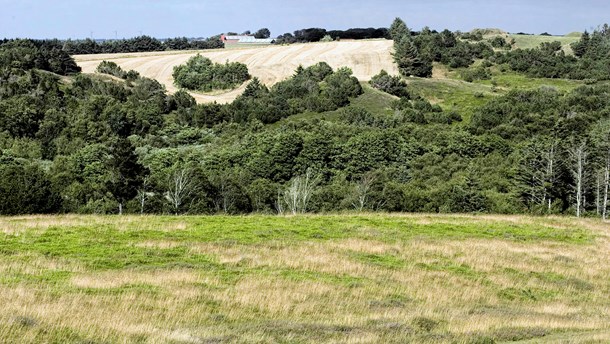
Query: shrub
column 499, row 42
column 391, row 84
column 478, row 73
column 111, row 68
column 132, row 75
column 326, row 38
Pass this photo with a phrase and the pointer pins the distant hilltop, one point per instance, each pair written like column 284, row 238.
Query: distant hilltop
column 489, row 32
column 499, row 32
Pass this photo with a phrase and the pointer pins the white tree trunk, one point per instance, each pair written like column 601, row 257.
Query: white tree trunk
column 550, row 173
column 578, row 153
column 181, row 186
column 598, row 185
column 362, row 191
column 606, row 182
column 298, row 193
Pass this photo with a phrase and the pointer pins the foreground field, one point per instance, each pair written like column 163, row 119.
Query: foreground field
column 269, row 64
column 309, row 279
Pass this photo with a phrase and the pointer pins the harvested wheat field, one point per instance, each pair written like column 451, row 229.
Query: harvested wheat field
column 366, row 278
column 269, row 64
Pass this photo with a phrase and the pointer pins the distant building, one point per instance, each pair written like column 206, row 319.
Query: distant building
column 244, row 40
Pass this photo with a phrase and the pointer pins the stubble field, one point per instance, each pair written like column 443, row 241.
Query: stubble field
column 270, row 64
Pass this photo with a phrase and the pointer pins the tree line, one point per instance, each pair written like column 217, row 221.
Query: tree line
column 316, row 34
column 138, row 44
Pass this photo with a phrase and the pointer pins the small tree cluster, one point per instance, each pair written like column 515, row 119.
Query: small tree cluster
column 111, row 68
column 201, row 74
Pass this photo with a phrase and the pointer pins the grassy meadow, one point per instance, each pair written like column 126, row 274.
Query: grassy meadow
column 354, row 278
column 533, row 41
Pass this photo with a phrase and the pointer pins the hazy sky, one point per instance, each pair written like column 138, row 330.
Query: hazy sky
column 165, row 18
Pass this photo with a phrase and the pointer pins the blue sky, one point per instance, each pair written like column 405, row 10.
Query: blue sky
column 164, row 18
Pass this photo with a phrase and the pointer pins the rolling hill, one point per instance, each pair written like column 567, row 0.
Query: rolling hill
column 269, row 64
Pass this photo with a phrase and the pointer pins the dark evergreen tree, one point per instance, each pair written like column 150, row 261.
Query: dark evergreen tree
column 408, row 59
column 127, row 173
column 399, row 29
column 25, row 188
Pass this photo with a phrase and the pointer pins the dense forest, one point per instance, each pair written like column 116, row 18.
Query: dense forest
column 320, row 141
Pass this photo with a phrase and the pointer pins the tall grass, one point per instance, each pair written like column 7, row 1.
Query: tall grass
column 365, row 278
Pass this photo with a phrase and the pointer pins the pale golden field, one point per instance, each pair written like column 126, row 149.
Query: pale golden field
column 270, row 64
column 309, row 279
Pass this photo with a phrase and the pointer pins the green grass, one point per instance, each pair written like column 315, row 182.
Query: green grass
column 511, row 81
column 306, row 279
column 374, row 100
column 453, row 95
column 533, row 41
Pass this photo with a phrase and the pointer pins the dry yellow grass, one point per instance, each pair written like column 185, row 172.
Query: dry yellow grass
column 269, row 64
column 357, row 289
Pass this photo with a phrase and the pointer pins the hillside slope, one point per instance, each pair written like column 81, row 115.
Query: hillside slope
column 269, row 64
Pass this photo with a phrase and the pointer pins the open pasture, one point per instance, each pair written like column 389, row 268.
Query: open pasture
column 361, row 278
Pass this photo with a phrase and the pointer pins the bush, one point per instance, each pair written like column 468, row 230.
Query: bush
column 326, row 38
column 201, row 74
column 478, row 73
column 111, row 68
column 25, row 188
column 316, row 88
column 391, row 84
column 499, row 42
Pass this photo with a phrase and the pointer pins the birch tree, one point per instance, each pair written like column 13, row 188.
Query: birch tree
column 538, row 171
column 362, row 191
column 550, row 160
column 143, row 195
column 181, row 186
column 605, row 187
column 600, row 135
column 298, row 192
column 578, row 155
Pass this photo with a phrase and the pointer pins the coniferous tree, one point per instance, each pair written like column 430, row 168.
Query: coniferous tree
column 127, row 173
column 399, row 29
column 580, row 47
column 408, row 59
